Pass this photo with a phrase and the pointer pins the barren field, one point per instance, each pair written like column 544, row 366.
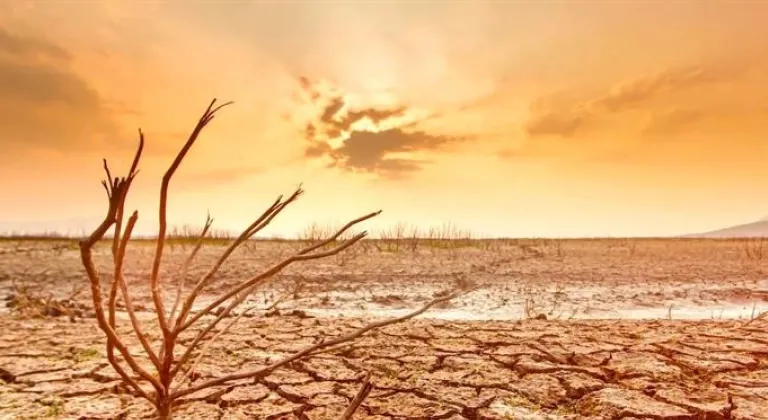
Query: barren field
column 554, row 329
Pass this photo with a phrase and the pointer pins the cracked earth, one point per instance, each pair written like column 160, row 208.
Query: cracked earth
column 420, row 370
column 432, row 368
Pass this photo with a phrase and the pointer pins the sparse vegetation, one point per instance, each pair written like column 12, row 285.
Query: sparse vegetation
column 55, row 407
column 84, row 355
column 753, row 248
column 28, row 303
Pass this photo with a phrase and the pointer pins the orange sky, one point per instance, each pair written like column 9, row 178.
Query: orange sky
column 508, row 119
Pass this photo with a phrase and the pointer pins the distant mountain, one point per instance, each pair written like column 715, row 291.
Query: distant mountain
column 748, row 230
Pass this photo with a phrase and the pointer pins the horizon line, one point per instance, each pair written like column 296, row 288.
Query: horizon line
column 54, row 236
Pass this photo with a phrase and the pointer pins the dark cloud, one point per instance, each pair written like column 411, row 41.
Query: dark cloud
column 331, row 110
column 367, row 150
column 334, row 121
column 317, row 149
column 43, row 103
column 567, row 119
column 364, row 150
column 375, row 115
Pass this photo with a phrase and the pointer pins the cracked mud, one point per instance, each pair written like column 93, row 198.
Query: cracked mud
column 420, row 370
column 429, row 368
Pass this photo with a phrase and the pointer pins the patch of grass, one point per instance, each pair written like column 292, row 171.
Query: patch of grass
column 521, row 402
column 55, row 407
column 84, row 355
column 564, row 411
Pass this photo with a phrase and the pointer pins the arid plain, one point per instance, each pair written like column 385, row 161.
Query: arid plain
column 552, row 329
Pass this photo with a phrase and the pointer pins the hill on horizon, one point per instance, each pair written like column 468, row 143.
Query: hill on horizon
column 746, row 230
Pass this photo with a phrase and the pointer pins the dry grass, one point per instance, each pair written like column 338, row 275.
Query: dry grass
column 25, row 302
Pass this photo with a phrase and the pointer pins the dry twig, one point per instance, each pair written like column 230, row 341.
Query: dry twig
column 361, row 395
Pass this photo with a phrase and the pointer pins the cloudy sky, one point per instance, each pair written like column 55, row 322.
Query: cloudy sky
column 508, row 119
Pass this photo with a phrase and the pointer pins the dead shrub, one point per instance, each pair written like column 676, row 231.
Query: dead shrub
column 173, row 376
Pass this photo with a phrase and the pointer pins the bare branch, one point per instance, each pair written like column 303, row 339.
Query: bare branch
column 118, row 254
column 114, row 204
column 185, row 267
column 311, row 349
column 205, row 346
column 117, row 192
column 153, row 279
column 112, row 300
column 95, row 281
column 359, row 398
column 135, row 164
column 126, row 296
column 302, row 255
column 247, row 288
column 109, row 174
column 257, row 225
column 181, row 363
column 338, row 233
column 125, row 377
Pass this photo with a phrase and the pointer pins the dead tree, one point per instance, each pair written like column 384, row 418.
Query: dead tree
column 164, row 383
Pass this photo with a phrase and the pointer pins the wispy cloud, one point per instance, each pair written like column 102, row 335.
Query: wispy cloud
column 561, row 122
column 672, row 120
column 570, row 118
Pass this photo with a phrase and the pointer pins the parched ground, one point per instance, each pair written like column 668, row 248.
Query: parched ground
column 421, row 370
column 476, row 358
